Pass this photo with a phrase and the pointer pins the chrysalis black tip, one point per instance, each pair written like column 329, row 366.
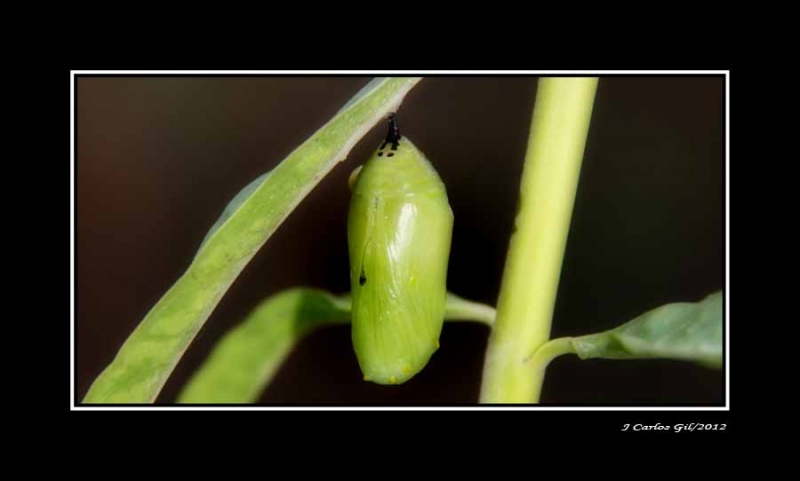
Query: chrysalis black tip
column 393, row 136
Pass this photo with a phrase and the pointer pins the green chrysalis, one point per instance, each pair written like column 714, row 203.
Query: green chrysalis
column 399, row 232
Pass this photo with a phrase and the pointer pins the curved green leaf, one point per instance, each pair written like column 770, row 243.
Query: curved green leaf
column 233, row 206
column 246, row 358
column 151, row 352
column 683, row 331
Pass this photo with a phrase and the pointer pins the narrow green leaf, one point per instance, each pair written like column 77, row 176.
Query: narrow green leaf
column 233, row 206
column 246, row 358
column 682, row 331
column 150, row 354
column 250, row 354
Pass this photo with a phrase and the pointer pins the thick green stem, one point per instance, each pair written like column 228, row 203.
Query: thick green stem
column 533, row 266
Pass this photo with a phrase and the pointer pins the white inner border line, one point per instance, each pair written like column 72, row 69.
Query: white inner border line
column 72, row 240
column 727, row 293
column 477, row 407
column 402, row 72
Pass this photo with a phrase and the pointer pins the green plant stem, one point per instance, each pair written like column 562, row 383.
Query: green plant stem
column 460, row 309
column 539, row 361
column 533, row 266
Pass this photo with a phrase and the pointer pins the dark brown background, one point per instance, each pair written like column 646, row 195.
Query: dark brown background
column 158, row 158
